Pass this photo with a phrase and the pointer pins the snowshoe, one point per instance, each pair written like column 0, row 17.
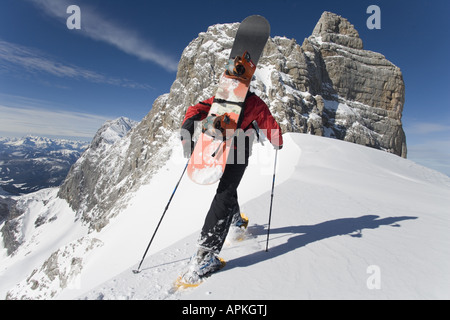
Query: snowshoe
column 238, row 228
column 201, row 265
column 240, row 221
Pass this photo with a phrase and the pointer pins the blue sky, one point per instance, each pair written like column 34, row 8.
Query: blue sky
column 58, row 82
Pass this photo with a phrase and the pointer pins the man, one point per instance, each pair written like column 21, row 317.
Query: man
column 224, row 210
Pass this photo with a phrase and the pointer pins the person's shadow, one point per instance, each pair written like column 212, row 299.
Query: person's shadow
column 312, row 233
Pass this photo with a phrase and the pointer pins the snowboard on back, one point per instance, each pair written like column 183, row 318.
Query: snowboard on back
column 212, row 150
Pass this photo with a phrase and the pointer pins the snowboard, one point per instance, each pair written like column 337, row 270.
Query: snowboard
column 212, row 150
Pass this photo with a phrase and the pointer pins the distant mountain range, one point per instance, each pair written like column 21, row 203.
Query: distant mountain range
column 32, row 163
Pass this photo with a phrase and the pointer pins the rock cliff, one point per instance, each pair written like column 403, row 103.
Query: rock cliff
column 365, row 81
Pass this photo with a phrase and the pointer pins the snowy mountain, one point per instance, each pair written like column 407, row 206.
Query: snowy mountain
column 347, row 218
column 112, row 131
column 94, row 186
column 348, row 222
column 12, row 209
column 32, row 163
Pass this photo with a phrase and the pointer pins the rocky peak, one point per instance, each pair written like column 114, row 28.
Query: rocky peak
column 112, row 131
column 336, row 29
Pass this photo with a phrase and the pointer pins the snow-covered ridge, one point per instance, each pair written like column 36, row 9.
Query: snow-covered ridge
column 113, row 130
column 348, row 222
column 41, row 143
column 94, row 177
column 339, row 208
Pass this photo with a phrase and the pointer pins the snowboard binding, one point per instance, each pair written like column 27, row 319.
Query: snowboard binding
column 219, row 127
column 241, row 68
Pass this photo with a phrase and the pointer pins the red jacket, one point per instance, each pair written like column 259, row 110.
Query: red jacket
column 255, row 110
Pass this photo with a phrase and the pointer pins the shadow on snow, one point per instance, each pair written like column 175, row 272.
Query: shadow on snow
column 300, row 236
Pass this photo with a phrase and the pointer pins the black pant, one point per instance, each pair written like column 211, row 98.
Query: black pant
column 223, row 207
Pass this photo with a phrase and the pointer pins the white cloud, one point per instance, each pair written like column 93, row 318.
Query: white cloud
column 428, row 143
column 427, row 128
column 20, row 121
column 96, row 27
column 35, row 61
column 434, row 155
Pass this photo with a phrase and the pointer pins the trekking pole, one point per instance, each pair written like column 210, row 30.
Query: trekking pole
column 159, row 223
column 271, row 199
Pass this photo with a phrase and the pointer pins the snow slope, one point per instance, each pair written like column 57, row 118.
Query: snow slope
column 348, row 222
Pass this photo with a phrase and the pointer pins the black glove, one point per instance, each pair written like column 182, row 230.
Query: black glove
column 188, row 148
